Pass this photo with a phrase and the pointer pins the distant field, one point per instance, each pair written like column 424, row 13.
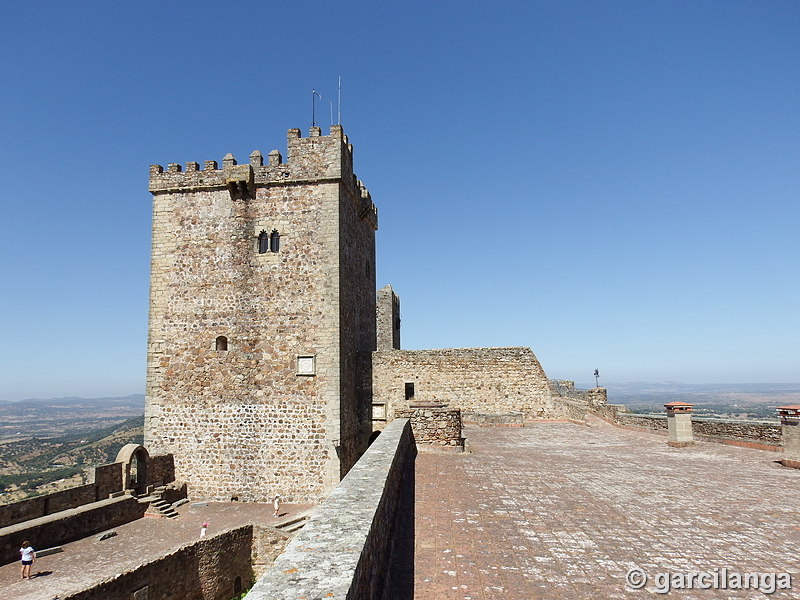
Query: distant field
column 751, row 400
column 48, row 445
column 56, row 417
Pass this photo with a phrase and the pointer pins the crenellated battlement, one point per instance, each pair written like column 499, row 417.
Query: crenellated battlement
column 313, row 158
column 261, row 311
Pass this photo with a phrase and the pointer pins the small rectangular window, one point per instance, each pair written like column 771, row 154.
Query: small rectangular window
column 409, row 391
column 378, row 411
column 305, row 365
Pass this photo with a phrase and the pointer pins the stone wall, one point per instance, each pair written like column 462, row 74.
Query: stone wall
column 480, row 380
column 39, row 506
column 359, row 543
column 765, row 433
column 597, row 395
column 756, row 434
column 68, row 525
column 493, row 420
column 566, row 389
column 268, row 543
column 107, row 480
column 161, row 468
column 571, row 410
column 434, row 427
column 207, row 569
column 279, row 404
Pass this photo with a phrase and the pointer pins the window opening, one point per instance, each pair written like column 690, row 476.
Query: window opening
column 263, row 242
column 409, row 391
column 274, row 241
column 222, row 343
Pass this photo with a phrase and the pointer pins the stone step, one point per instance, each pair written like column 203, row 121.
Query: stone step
column 159, row 507
column 295, row 522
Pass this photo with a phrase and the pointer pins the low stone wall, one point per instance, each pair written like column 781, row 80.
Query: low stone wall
column 268, row 543
column 32, row 508
column 570, row 410
column 597, row 395
column 566, row 389
column 434, row 427
column 108, row 480
column 161, row 468
column 657, row 423
column 360, row 542
column 68, row 525
column 207, row 569
column 498, row 420
column 766, row 436
column 752, row 434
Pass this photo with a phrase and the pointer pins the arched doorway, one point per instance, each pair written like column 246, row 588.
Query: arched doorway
column 134, row 459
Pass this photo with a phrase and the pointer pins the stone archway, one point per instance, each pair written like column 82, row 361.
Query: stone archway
column 135, row 461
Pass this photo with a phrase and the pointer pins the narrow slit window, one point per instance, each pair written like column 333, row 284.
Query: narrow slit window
column 222, row 343
column 263, row 242
column 274, row 241
column 409, row 391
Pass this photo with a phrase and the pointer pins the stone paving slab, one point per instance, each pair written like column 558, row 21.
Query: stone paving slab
column 88, row 561
column 564, row 511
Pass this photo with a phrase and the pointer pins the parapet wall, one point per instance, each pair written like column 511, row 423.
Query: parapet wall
column 754, row 434
column 570, row 410
column 108, row 480
column 435, row 428
column 207, row 569
column 359, row 543
column 566, row 389
column 480, row 380
column 68, row 525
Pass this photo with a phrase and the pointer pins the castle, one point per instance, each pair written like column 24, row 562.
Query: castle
column 269, row 368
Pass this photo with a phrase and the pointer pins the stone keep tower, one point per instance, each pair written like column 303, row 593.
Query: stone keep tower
column 262, row 321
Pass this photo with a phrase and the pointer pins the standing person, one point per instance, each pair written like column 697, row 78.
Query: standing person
column 203, row 530
column 276, row 503
column 28, row 558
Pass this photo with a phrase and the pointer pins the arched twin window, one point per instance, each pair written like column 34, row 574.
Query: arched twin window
column 269, row 242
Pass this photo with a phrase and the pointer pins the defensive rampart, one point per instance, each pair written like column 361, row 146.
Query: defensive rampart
column 69, row 525
column 751, row 434
column 359, row 544
column 215, row 568
column 107, row 480
column 436, row 428
column 480, row 380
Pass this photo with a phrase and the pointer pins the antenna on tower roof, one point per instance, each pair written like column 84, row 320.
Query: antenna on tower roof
column 314, row 95
column 339, row 105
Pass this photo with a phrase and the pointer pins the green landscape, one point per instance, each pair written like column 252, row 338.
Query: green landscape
column 49, row 445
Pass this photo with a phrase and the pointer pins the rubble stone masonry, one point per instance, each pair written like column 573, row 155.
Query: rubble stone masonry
column 480, row 380
column 255, row 345
column 434, row 427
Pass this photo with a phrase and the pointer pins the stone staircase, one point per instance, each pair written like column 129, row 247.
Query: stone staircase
column 294, row 523
column 157, row 506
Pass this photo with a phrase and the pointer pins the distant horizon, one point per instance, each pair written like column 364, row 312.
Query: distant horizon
column 628, row 386
column 612, row 184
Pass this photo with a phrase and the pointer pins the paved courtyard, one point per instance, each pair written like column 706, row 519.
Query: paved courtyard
column 88, row 561
column 556, row 510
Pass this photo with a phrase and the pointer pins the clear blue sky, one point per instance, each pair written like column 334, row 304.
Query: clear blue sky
column 614, row 184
